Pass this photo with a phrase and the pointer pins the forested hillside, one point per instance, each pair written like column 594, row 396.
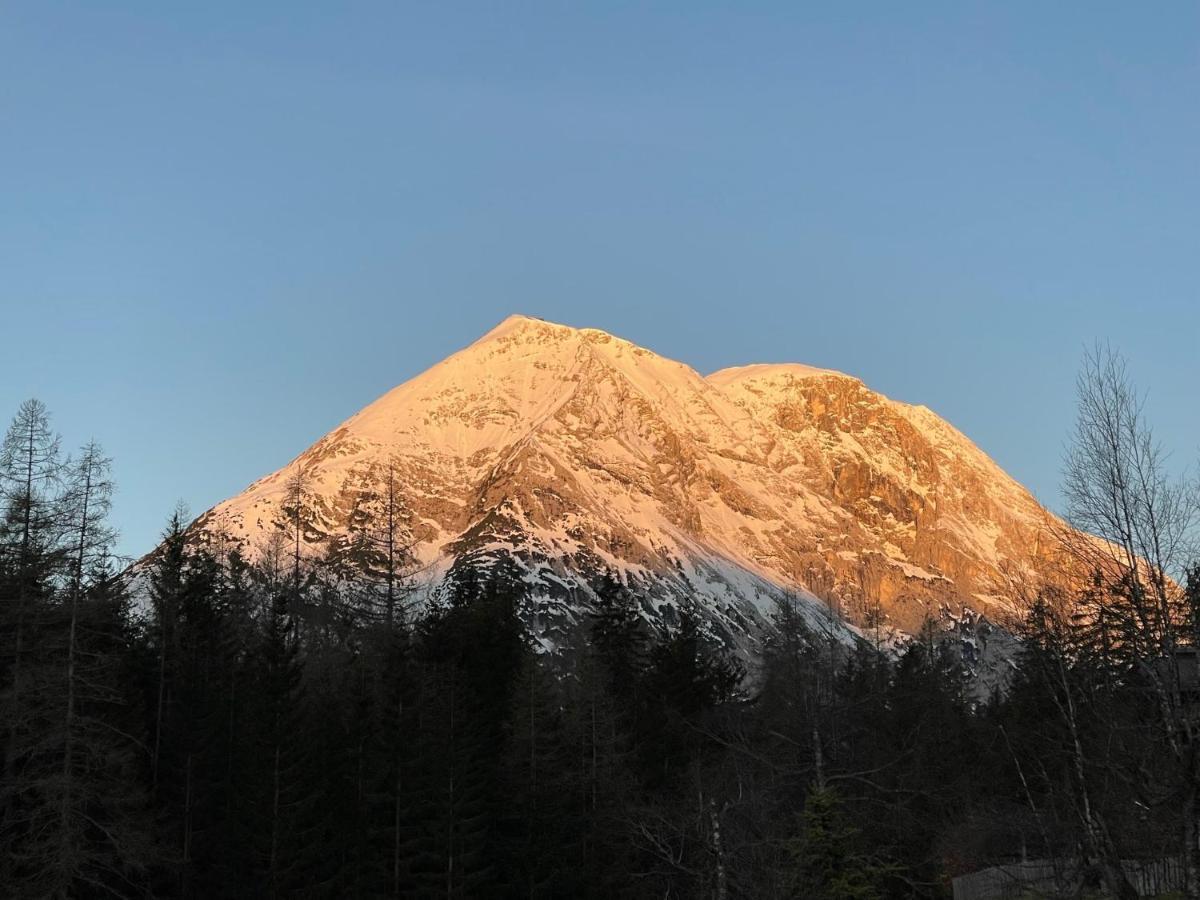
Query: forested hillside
column 298, row 727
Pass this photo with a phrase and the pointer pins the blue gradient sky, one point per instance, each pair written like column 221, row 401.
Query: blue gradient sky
column 224, row 229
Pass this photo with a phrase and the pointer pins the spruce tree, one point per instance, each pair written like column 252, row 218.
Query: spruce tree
column 688, row 676
column 828, row 861
column 279, row 687
column 543, row 820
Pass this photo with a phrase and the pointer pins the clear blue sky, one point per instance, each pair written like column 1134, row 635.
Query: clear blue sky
column 225, row 227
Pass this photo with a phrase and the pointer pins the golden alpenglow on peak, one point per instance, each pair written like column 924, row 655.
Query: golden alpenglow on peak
column 577, row 453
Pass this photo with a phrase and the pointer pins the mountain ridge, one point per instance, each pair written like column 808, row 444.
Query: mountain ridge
column 579, row 453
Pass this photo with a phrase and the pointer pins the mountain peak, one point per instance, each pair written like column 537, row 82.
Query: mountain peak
column 519, row 322
column 532, row 328
column 578, row 453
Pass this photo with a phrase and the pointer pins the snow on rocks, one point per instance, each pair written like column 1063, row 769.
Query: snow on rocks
column 578, row 453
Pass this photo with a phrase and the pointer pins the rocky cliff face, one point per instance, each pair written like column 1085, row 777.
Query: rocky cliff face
column 577, row 453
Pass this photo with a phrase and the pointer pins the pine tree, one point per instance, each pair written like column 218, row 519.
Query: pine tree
column 925, row 698
column 278, row 793
column 688, row 676
column 392, row 754
column 168, row 576
column 601, row 730
column 828, row 861
column 471, row 648
column 544, row 822
column 795, row 696
column 228, row 863
column 196, row 727
column 617, row 640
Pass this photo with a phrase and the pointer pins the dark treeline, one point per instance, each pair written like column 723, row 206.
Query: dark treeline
column 296, row 727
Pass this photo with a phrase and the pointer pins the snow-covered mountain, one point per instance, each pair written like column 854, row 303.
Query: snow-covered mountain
column 576, row 453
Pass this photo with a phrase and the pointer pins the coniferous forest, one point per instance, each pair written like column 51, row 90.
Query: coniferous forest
column 207, row 726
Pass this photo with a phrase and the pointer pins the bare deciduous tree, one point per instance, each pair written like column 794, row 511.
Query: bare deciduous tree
column 1135, row 534
column 30, row 471
column 381, row 539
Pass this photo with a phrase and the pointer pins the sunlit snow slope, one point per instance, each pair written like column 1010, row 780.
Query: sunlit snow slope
column 577, row 453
